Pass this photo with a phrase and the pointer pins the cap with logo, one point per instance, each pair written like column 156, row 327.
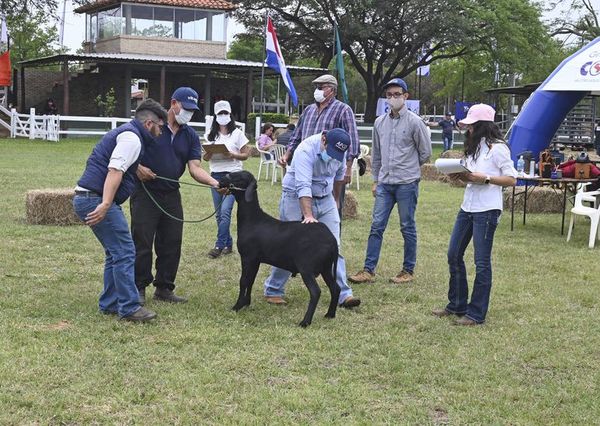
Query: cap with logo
column 479, row 112
column 188, row 98
column 222, row 106
column 326, row 79
column 396, row 82
column 338, row 142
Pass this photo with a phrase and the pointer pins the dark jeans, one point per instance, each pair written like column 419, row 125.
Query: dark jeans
column 447, row 141
column 481, row 228
column 224, row 206
column 150, row 226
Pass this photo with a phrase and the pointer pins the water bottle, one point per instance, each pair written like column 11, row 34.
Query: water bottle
column 520, row 165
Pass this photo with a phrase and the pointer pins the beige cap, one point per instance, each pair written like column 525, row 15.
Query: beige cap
column 325, row 79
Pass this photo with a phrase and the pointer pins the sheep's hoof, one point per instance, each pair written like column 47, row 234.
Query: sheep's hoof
column 239, row 306
column 330, row 315
column 304, row 323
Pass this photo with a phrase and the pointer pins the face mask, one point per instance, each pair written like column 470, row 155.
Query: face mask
column 319, row 95
column 325, row 157
column 223, row 119
column 396, row 104
column 184, row 116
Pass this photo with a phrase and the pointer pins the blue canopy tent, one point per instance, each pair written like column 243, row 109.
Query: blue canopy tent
column 543, row 113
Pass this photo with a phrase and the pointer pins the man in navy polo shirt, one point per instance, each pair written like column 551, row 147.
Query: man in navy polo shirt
column 448, row 126
column 177, row 147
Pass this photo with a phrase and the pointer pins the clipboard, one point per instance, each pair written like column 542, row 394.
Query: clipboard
column 215, row 148
column 451, row 165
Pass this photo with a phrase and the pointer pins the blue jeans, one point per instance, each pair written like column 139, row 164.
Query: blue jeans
column 405, row 195
column 223, row 215
column 120, row 293
column 325, row 211
column 447, row 142
column 481, row 228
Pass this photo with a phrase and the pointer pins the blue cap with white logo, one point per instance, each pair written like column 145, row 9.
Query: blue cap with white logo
column 396, row 82
column 338, row 142
column 188, row 98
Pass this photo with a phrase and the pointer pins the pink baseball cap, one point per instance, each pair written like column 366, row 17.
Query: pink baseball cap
column 479, row 112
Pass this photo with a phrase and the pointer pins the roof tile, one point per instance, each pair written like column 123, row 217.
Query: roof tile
column 200, row 4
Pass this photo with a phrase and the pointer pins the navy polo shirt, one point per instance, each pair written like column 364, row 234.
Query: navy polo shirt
column 447, row 126
column 170, row 155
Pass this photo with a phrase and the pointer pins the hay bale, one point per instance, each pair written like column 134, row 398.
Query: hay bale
column 51, row 207
column 451, row 153
column 254, row 151
column 429, row 172
column 540, row 200
column 350, row 210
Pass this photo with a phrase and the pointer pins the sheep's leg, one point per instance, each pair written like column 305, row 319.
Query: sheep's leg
column 249, row 271
column 315, row 293
column 334, row 291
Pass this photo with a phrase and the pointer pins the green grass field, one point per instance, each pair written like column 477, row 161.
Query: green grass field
column 535, row 361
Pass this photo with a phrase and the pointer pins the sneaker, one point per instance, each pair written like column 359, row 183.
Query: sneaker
column 350, row 302
column 227, row 250
column 141, row 315
column 142, row 299
column 166, row 295
column 214, row 253
column 361, row 277
column 402, row 278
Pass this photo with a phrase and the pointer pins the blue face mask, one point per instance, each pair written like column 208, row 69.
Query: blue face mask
column 325, row 157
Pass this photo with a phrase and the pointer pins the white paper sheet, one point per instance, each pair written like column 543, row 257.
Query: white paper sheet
column 451, row 165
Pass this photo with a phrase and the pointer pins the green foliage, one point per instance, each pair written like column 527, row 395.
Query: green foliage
column 270, row 117
column 32, row 36
column 107, row 103
column 388, row 362
column 585, row 27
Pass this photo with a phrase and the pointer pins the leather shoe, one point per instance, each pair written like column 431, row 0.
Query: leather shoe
column 166, row 295
column 142, row 299
column 141, row 315
column 227, row 250
column 350, row 302
column 441, row 312
column 275, row 300
column 465, row 321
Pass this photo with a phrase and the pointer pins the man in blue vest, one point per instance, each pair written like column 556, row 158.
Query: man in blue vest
column 177, row 146
column 107, row 181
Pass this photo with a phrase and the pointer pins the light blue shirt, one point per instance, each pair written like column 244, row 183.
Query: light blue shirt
column 309, row 176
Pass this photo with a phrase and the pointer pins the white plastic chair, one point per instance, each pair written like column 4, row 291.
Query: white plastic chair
column 277, row 151
column 269, row 163
column 592, row 212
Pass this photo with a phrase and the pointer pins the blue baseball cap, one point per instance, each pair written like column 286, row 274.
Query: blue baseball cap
column 338, row 142
column 396, row 82
column 188, row 98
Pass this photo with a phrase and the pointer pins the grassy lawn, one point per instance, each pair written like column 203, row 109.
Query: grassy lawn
column 61, row 362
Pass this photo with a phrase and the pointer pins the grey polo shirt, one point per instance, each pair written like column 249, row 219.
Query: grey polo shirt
column 400, row 146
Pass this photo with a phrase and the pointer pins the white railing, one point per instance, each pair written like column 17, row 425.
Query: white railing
column 52, row 127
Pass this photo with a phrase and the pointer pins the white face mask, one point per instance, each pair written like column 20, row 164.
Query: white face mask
column 319, row 95
column 223, row 119
column 396, row 104
column 184, row 116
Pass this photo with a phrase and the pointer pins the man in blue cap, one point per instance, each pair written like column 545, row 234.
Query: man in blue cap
column 311, row 193
column 177, row 146
column 401, row 145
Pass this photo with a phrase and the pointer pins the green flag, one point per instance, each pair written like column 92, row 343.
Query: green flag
column 339, row 64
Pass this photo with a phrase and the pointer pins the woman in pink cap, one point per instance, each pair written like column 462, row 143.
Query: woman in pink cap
column 491, row 168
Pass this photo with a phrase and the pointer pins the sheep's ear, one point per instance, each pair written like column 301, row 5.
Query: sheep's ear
column 250, row 191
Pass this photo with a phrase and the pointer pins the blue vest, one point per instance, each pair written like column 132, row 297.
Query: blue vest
column 96, row 167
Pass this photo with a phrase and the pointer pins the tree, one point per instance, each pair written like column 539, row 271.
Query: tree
column 586, row 27
column 385, row 38
column 31, row 37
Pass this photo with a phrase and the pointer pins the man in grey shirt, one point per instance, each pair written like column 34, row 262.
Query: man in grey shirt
column 401, row 144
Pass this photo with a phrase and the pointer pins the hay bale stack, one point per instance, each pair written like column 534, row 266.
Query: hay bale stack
column 451, row 153
column 350, row 210
column 429, row 172
column 50, row 207
column 367, row 159
column 540, row 200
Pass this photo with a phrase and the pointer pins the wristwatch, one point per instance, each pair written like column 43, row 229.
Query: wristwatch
column 487, row 180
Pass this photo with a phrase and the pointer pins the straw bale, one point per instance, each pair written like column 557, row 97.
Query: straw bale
column 429, row 172
column 50, row 207
column 350, row 210
column 451, row 153
column 540, row 200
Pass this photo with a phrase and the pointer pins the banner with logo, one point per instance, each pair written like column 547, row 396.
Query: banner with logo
column 413, row 105
column 579, row 72
column 460, row 110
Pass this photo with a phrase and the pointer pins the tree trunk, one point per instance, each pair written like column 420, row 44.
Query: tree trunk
column 371, row 108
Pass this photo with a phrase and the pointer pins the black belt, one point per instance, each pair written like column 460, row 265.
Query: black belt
column 321, row 197
column 87, row 193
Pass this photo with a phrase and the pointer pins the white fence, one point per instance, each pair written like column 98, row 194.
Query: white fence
column 52, row 127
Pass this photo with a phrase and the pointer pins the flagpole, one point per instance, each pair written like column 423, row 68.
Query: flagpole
column 262, row 71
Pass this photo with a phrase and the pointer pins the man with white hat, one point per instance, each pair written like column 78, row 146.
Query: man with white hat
column 325, row 114
column 177, row 147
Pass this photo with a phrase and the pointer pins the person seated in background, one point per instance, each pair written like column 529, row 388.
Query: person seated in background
column 265, row 140
column 284, row 137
